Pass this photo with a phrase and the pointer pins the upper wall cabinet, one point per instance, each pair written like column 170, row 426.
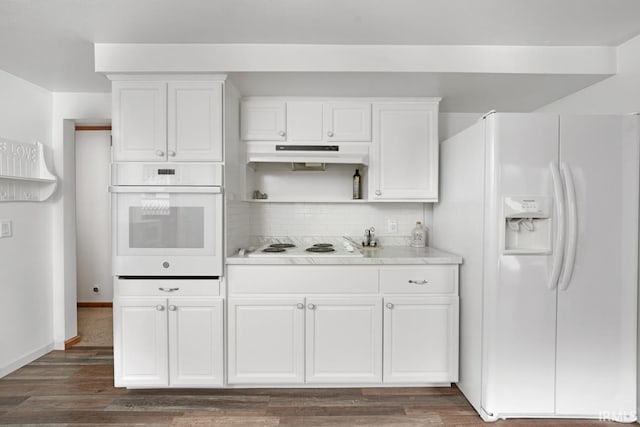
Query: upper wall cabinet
column 404, row 157
column 305, row 121
column 160, row 120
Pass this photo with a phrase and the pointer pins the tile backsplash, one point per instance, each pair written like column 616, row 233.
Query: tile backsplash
column 335, row 219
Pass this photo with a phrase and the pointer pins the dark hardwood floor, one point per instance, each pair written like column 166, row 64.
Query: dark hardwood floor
column 76, row 388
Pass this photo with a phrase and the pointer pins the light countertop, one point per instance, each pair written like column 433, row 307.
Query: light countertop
column 398, row 255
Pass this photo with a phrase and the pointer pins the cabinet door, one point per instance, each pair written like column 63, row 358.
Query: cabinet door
column 304, row 122
column 140, row 342
column 266, row 341
column 404, row 161
column 344, row 340
column 139, row 121
column 195, row 342
column 263, row 120
column 194, row 121
column 347, row 121
column 421, row 340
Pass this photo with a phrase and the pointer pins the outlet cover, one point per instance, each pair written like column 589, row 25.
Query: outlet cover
column 392, row 225
column 5, row 228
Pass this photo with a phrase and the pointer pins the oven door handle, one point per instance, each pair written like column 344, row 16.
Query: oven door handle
column 150, row 189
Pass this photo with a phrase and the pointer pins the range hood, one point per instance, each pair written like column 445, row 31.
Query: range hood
column 273, row 152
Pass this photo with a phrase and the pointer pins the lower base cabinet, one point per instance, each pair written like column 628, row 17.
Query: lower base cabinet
column 420, row 340
column 305, row 340
column 168, row 342
column 342, row 325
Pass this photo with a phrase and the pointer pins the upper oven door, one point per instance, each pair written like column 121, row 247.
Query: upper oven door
column 167, row 231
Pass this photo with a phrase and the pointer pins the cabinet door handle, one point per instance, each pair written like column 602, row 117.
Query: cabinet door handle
column 330, row 134
column 389, row 305
column 172, row 153
column 282, row 133
column 172, row 308
column 311, row 307
column 418, row 282
column 378, row 193
column 160, row 307
column 168, row 289
column 159, row 153
column 300, row 305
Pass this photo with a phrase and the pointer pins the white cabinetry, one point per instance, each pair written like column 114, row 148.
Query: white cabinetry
column 167, row 341
column 266, row 340
column 344, row 340
column 404, row 157
column 326, row 324
column 263, row 120
column 305, row 121
column 160, row 120
column 140, row 342
column 347, row 121
column 420, row 324
column 420, row 339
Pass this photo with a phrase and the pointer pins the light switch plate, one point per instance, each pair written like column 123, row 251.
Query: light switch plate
column 5, row 228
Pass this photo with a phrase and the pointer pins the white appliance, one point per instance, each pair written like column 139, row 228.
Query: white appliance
column 167, row 219
column 544, row 210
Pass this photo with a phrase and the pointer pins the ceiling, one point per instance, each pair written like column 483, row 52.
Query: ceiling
column 50, row 42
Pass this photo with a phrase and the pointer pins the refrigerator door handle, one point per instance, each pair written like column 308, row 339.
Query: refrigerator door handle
column 572, row 240
column 558, row 249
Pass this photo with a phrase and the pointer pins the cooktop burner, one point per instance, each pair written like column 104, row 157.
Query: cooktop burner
column 271, row 249
column 282, row 245
column 321, row 249
column 323, row 245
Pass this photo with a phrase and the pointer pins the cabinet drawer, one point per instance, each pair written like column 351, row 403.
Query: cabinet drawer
column 420, row 280
column 296, row 279
column 166, row 288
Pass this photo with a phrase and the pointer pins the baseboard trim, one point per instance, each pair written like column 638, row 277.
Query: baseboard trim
column 25, row 360
column 71, row 342
column 95, row 304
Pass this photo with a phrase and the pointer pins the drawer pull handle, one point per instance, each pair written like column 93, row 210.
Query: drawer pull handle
column 418, row 282
column 168, row 289
column 389, row 305
column 172, row 308
column 311, row 307
column 300, row 305
column 160, row 307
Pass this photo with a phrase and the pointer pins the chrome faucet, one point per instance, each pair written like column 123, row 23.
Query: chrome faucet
column 369, row 239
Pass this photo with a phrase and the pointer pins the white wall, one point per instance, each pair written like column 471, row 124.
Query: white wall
column 94, row 108
column 25, row 258
column 93, row 156
column 617, row 94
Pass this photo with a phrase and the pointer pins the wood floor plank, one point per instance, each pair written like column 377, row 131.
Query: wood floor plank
column 335, row 411
column 362, row 421
column 48, row 403
column 80, row 416
column 225, row 404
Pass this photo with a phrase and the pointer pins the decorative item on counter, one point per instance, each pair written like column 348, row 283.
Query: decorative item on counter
column 257, row 195
column 419, row 236
column 357, row 185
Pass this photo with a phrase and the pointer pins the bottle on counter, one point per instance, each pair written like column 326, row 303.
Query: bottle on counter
column 419, row 236
column 357, row 185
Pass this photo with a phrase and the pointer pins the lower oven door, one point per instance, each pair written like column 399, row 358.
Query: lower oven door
column 167, row 231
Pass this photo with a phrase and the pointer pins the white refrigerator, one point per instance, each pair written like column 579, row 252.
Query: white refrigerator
column 544, row 210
